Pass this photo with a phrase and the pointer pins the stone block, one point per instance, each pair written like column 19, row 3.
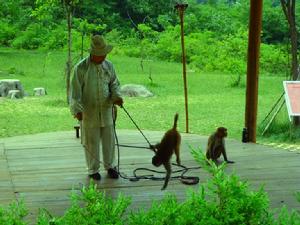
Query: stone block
column 13, row 94
column 135, row 90
column 7, row 85
column 39, row 91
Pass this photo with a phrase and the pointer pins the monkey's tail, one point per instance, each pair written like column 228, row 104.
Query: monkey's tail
column 175, row 121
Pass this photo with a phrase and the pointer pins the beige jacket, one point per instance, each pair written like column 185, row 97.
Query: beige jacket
column 94, row 88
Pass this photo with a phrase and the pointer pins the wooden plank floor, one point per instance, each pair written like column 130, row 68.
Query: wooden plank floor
column 44, row 168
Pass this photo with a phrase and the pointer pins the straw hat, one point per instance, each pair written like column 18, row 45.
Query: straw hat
column 99, row 47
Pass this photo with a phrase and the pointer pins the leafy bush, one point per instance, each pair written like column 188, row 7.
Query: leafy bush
column 273, row 59
column 205, row 50
column 14, row 214
column 56, row 38
column 7, row 33
column 231, row 201
column 224, row 199
column 168, row 46
column 97, row 208
column 286, row 218
column 32, row 38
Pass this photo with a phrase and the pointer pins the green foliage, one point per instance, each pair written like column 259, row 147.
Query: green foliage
column 281, row 129
column 168, row 46
column 205, row 50
column 31, row 38
column 88, row 207
column 148, row 10
column 168, row 211
column 219, row 18
column 48, row 12
column 216, row 31
column 102, row 13
column 7, row 32
column 97, row 209
column 286, row 218
column 237, row 81
column 275, row 27
column 57, row 39
column 230, row 199
column 14, row 214
column 273, row 59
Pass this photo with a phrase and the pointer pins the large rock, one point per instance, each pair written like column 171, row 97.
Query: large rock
column 135, row 90
column 13, row 94
column 39, row 91
column 7, row 85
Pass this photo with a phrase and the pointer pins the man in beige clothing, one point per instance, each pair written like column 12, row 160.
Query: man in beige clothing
column 94, row 90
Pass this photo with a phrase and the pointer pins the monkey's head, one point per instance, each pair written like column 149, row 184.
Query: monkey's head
column 222, row 132
column 156, row 161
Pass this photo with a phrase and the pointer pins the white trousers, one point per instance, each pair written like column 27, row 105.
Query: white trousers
column 91, row 142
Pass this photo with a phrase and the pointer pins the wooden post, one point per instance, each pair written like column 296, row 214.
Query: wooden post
column 253, row 68
column 181, row 7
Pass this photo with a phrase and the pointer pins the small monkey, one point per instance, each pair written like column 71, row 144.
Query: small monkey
column 216, row 145
column 164, row 150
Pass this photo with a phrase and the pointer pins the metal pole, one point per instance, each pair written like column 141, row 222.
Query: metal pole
column 181, row 7
column 253, row 68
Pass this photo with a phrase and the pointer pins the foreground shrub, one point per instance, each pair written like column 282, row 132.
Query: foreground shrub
column 229, row 200
column 224, row 199
column 90, row 207
column 13, row 214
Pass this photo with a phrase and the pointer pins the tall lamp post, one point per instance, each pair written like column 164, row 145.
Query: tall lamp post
column 181, row 7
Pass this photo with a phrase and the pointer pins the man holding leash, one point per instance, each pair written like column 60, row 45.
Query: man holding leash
column 94, row 90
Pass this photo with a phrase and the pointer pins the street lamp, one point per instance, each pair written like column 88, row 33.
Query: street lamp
column 181, row 7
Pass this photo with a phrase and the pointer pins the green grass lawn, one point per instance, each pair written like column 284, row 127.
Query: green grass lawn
column 212, row 101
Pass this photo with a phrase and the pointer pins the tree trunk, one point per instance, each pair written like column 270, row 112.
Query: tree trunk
column 288, row 8
column 82, row 39
column 69, row 60
column 294, row 44
column 294, row 69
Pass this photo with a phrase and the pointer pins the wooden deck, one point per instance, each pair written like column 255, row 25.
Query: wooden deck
column 44, row 168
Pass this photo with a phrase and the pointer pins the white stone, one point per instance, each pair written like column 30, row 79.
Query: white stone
column 13, row 94
column 7, row 85
column 39, row 91
column 135, row 90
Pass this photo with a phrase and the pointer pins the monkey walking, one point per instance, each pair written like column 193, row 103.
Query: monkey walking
column 216, row 145
column 164, row 150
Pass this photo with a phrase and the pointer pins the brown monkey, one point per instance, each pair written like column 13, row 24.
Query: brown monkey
column 164, row 150
column 216, row 145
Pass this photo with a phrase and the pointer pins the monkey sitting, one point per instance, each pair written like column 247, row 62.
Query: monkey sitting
column 164, row 150
column 216, row 145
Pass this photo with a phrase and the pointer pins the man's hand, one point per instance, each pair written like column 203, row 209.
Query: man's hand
column 119, row 101
column 78, row 116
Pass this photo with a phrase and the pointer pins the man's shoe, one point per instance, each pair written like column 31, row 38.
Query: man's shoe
column 95, row 176
column 113, row 173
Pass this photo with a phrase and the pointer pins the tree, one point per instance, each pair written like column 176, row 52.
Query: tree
column 288, row 7
column 139, row 10
column 69, row 6
column 86, row 28
column 274, row 24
